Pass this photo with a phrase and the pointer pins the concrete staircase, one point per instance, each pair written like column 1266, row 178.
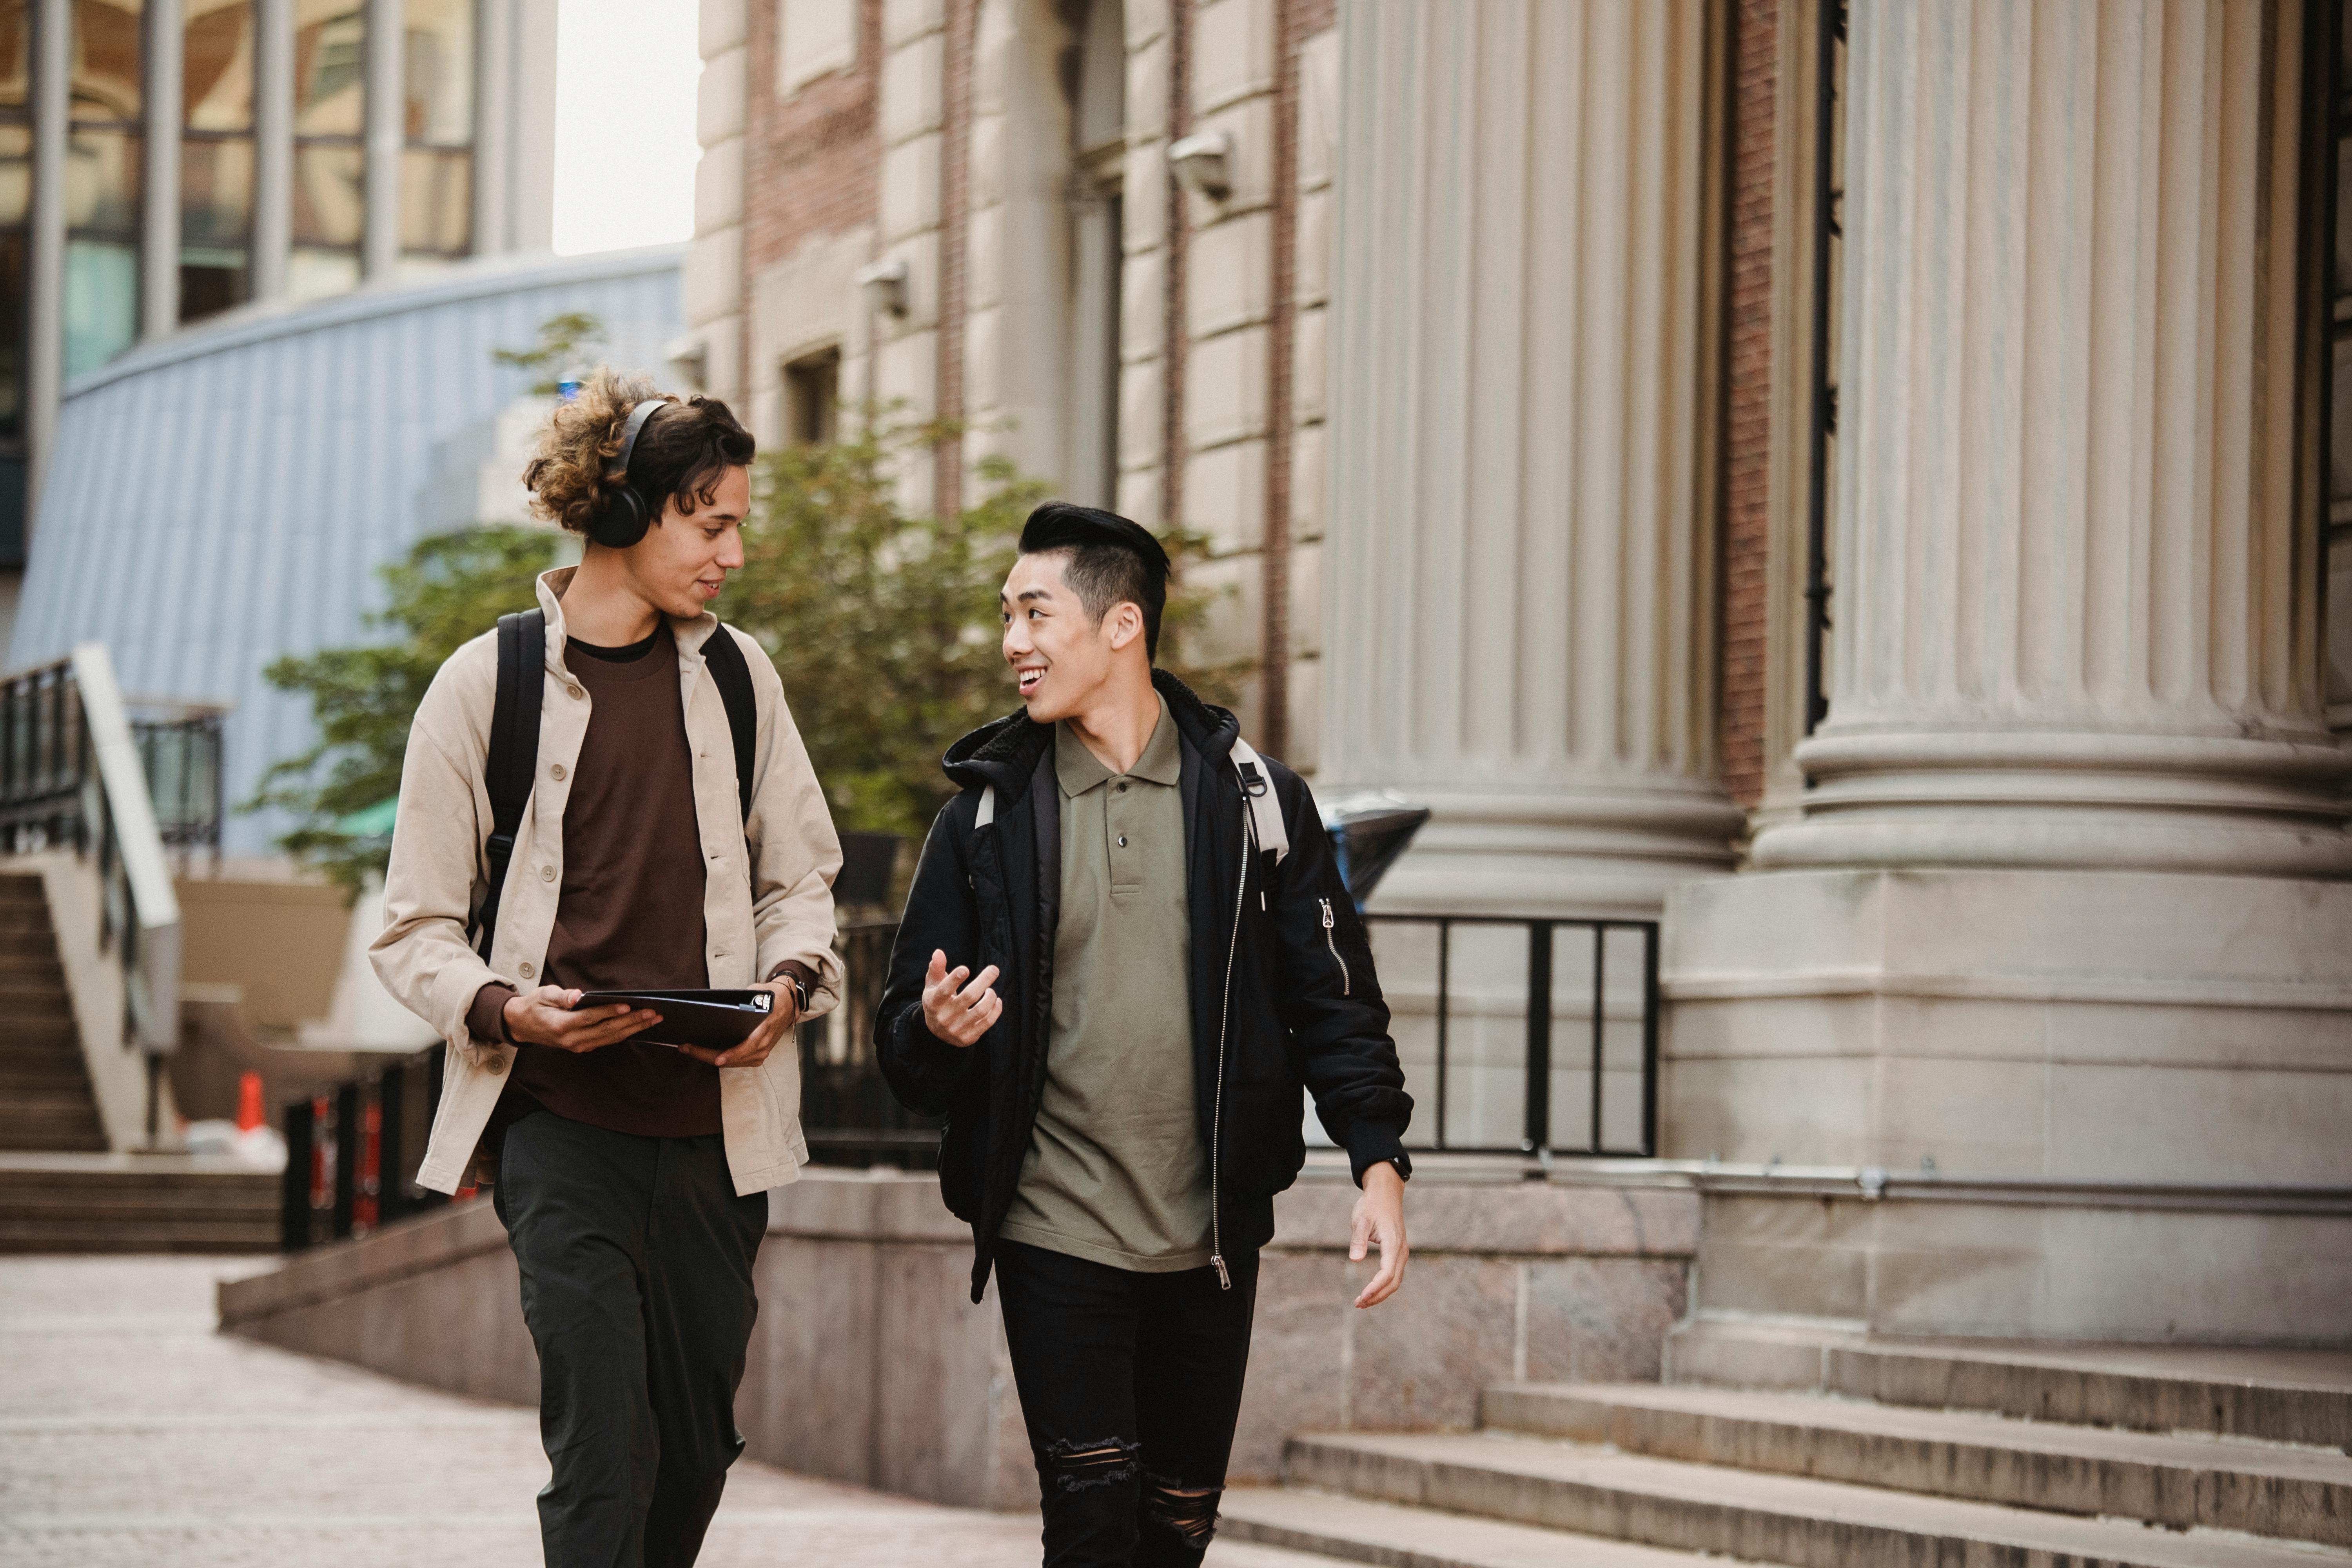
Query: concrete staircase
column 46, row 1099
column 61, row 1190
column 134, row 1202
column 1853, row 1452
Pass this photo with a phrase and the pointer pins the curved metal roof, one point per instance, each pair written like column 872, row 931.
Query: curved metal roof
column 227, row 496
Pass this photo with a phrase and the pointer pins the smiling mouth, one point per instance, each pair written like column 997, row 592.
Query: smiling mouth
column 1030, row 679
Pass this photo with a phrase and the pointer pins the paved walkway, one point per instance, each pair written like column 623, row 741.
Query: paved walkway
column 131, row 1434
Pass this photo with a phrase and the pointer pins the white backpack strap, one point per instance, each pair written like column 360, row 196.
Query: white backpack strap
column 1258, row 789
column 987, row 808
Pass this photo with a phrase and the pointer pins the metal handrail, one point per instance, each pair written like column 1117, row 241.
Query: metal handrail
column 73, row 773
column 1539, row 1065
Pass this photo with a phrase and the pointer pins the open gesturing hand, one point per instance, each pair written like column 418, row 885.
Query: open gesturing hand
column 956, row 1012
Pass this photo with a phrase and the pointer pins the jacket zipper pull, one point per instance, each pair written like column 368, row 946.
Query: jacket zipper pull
column 1224, row 1280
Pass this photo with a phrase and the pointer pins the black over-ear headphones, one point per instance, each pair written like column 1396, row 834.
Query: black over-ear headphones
column 625, row 517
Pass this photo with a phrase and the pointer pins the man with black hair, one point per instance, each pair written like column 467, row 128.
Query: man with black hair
column 1127, row 949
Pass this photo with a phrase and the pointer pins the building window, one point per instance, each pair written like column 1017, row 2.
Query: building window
column 330, row 156
column 16, row 200
column 437, row 163
column 812, row 399
column 1828, row 193
column 102, row 167
column 1098, row 135
column 215, row 157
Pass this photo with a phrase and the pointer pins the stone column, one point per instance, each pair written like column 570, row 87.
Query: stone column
column 273, row 146
column 2076, row 566
column 159, row 218
column 712, row 285
column 386, row 135
column 1520, row 595
column 2063, row 927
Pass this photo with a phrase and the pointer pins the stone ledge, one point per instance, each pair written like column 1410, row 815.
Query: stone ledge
column 399, row 1251
column 1531, row 1219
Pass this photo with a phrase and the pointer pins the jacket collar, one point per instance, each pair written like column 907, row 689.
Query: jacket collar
column 691, row 634
column 1005, row 752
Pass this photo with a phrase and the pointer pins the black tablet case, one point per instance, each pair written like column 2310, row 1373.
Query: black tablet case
column 712, row 1019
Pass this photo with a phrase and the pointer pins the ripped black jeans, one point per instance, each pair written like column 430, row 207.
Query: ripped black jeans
column 1130, row 1385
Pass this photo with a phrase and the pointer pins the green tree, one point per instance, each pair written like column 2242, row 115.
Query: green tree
column 451, row 588
column 563, row 345
column 885, row 626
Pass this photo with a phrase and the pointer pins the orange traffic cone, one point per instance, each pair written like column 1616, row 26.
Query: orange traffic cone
column 248, row 1102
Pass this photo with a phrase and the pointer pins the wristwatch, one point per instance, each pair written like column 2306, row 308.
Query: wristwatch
column 800, row 990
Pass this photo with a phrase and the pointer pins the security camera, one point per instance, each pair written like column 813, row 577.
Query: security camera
column 1198, row 161
column 884, row 283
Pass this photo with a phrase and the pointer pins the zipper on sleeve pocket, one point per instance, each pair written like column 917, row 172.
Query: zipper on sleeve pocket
column 1331, row 941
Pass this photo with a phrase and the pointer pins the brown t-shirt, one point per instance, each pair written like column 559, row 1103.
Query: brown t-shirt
column 629, row 914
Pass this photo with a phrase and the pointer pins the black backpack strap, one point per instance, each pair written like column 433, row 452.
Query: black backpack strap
column 513, row 761
column 724, row 655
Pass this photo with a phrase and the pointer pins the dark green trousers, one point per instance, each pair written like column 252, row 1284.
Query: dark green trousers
column 637, row 1283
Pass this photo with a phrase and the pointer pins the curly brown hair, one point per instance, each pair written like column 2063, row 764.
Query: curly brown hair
column 682, row 452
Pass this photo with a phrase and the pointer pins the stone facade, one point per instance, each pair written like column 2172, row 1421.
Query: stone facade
column 1493, row 371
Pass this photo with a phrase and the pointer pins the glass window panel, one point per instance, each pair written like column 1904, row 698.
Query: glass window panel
column 330, row 195
column 216, row 71
column 12, row 336
column 329, row 68
column 315, row 274
column 215, row 192
column 211, row 281
column 1102, row 74
column 436, row 201
column 440, row 72
column 15, row 170
column 2343, row 216
column 12, row 511
column 102, row 182
column 16, row 42
column 106, row 60
column 101, row 303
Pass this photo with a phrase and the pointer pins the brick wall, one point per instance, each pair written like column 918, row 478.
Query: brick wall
column 1749, row 456
column 812, row 162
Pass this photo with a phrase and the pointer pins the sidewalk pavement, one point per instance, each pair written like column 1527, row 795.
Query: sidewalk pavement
column 132, row 1433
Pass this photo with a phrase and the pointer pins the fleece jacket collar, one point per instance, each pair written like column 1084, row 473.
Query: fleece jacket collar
column 1006, row 751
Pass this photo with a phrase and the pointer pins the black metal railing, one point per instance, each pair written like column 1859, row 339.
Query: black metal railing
column 45, row 760
column 1520, row 1035
column 78, row 772
column 1523, row 1034
column 48, row 774
column 181, row 755
column 352, row 1151
column 847, row 1113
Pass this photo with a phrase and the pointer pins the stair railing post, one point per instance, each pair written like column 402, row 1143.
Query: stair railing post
column 295, row 1187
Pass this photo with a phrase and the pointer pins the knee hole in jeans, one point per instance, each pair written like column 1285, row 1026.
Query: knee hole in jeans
column 1190, row 1513
column 1079, row 1466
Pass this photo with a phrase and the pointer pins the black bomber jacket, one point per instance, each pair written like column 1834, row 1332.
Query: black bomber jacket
column 1283, row 991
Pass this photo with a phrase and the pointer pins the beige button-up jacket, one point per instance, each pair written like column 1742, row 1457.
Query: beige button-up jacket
column 779, row 906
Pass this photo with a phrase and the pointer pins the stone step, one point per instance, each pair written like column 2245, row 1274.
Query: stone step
column 1746, row 1514
column 33, row 1004
column 124, row 1204
column 74, row 1130
column 2283, row 1396
column 23, row 1039
column 1354, row 1529
column 2223, row 1483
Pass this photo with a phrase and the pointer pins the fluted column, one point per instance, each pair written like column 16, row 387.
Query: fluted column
column 2077, row 545
column 1520, row 604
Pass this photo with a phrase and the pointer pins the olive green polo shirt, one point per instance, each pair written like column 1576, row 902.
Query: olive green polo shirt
column 1116, row 1170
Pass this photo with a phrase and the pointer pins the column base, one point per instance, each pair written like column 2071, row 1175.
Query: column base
column 2226, row 804
column 1613, row 852
column 2147, row 1030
